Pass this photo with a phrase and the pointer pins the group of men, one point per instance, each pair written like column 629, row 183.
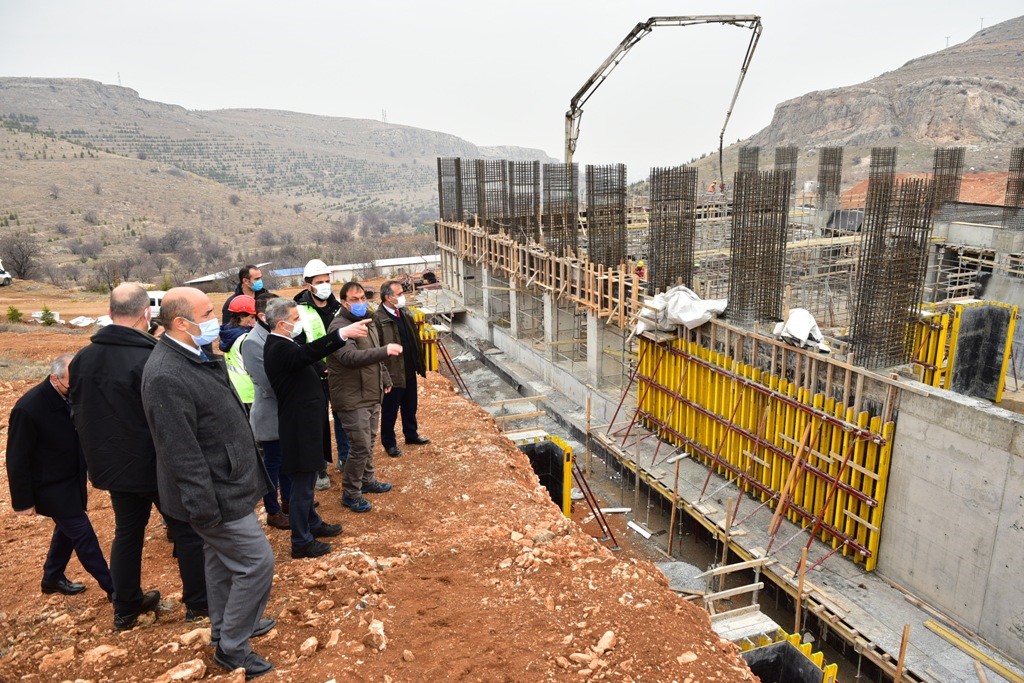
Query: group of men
column 159, row 423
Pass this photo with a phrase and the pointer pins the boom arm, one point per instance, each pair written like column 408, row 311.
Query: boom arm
column 575, row 113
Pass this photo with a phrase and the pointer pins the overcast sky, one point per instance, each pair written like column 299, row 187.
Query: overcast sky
column 491, row 73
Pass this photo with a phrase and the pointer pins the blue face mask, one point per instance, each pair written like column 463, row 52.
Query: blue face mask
column 209, row 330
column 358, row 309
column 257, row 285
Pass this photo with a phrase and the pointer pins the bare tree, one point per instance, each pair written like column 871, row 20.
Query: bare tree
column 20, row 252
column 174, row 239
column 190, row 260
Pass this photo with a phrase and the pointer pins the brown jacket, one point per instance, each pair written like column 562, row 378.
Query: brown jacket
column 390, row 334
column 356, row 372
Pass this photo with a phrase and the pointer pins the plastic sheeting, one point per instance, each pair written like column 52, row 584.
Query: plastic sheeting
column 678, row 306
column 801, row 329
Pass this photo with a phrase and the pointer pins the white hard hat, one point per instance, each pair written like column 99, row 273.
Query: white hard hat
column 314, row 268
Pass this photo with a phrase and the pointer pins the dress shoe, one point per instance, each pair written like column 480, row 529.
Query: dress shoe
column 63, row 586
column 418, row 441
column 376, row 487
column 356, row 504
column 197, row 613
column 394, row 451
column 278, row 520
column 254, row 665
column 150, row 601
column 311, row 549
column 326, row 530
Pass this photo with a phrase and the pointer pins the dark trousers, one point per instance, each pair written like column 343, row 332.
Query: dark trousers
column 301, row 513
column 341, row 438
column 131, row 515
column 399, row 400
column 328, row 457
column 282, row 482
column 76, row 534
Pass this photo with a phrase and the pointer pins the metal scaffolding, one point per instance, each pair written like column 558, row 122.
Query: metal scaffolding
column 524, row 200
column 1013, row 211
column 749, row 159
column 759, row 232
column 893, row 259
column 561, row 207
column 947, row 172
column 606, row 214
column 492, row 194
column 449, row 189
column 672, row 226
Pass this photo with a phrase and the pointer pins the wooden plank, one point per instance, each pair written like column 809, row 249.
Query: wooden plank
column 1004, row 671
column 749, row 588
column 519, row 416
column 737, row 566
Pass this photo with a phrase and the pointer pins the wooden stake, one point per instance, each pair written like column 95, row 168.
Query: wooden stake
column 773, row 528
column 982, row 678
column 675, row 506
column 589, row 471
column 800, row 591
column 903, row 653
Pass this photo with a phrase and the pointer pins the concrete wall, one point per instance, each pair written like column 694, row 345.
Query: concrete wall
column 954, row 512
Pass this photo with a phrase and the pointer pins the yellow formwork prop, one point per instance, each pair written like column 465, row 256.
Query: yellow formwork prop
column 428, row 338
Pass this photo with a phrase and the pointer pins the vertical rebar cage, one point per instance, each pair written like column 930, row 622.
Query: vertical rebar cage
column 606, row 214
column 1013, row 205
column 830, row 178
column 749, row 159
column 672, row 225
column 759, row 228
column 561, row 207
column 524, row 200
column 449, row 189
column 468, row 190
column 492, row 194
column 947, row 174
column 785, row 162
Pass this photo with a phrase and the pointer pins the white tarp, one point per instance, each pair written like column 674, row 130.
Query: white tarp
column 801, row 329
column 82, row 321
column 678, row 306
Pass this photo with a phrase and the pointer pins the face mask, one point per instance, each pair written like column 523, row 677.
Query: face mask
column 296, row 328
column 208, row 331
column 257, row 285
column 322, row 291
column 358, row 309
column 401, row 301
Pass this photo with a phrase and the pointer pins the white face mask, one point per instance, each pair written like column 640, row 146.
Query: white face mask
column 322, row 291
column 401, row 301
column 296, row 328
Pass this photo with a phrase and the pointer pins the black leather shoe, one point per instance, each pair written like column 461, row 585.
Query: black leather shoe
column 196, row 613
column 62, row 586
column 254, row 665
column 376, row 487
column 418, row 441
column 311, row 549
column 263, row 627
column 326, row 530
column 394, row 451
column 150, row 601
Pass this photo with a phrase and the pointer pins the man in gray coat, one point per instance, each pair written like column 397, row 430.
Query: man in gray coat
column 209, row 473
column 263, row 417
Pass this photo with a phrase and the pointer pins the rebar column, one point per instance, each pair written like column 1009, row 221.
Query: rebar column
column 760, row 214
column 749, row 159
column 1013, row 205
column 561, row 207
column 947, row 172
column 492, row 194
column 469, row 191
column 785, row 162
column 449, row 188
column 673, row 225
column 830, row 178
column 893, row 260
column 524, row 200
column 606, row 214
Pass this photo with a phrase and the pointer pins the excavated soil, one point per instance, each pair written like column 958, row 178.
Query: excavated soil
column 465, row 571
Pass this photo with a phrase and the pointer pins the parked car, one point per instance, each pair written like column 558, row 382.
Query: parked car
column 5, row 277
column 155, row 299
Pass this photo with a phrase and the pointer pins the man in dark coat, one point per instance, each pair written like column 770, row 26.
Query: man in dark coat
column 118, row 447
column 396, row 326
column 359, row 381
column 250, row 282
column 46, row 474
column 209, row 473
column 300, row 402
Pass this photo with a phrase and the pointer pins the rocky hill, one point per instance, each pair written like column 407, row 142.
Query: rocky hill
column 338, row 164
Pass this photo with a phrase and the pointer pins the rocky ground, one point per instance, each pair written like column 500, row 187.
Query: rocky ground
column 465, row 571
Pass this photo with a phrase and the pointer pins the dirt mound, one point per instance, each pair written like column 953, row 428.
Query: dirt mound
column 465, row 571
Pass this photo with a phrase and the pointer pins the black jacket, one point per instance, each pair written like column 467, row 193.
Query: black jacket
column 326, row 312
column 301, row 402
column 45, row 468
column 401, row 330
column 106, row 396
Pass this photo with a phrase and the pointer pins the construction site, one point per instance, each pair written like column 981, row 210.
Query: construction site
column 863, row 464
